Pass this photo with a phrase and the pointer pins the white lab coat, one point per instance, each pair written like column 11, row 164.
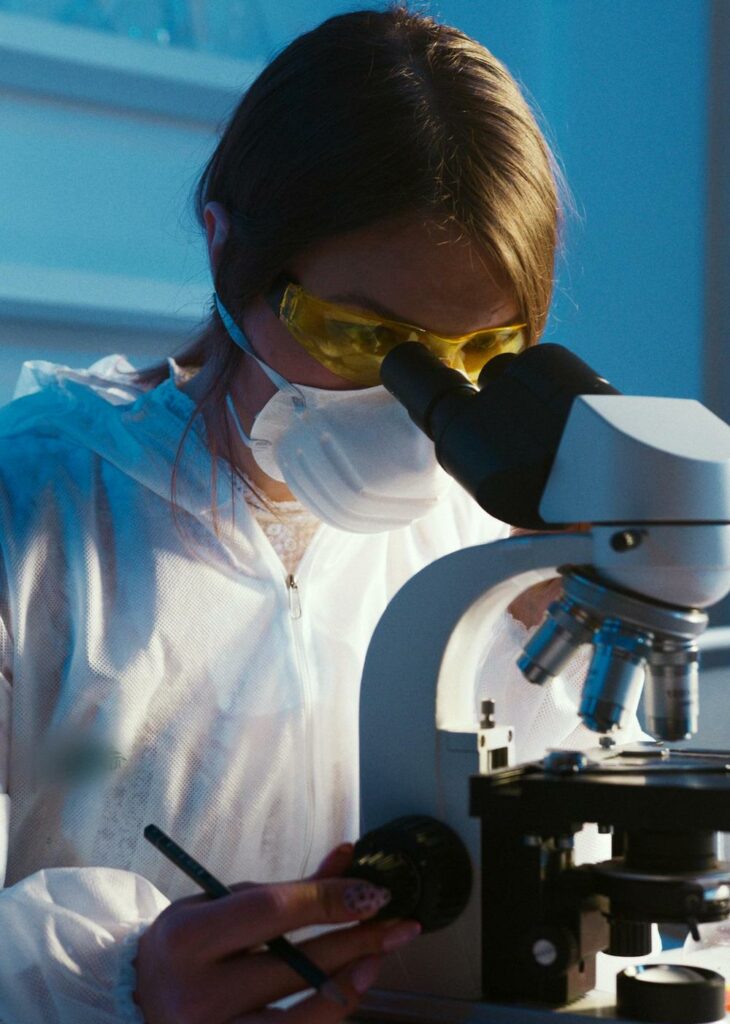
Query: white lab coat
column 155, row 672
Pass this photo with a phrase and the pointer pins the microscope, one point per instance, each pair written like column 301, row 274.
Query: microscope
column 481, row 849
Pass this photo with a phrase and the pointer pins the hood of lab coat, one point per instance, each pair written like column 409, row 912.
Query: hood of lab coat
column 139, row 431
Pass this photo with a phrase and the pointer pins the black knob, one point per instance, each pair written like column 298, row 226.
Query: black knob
column 627, row 540
column 549, row 949
column 423, row 863
column 629, row 938
column 670, row 994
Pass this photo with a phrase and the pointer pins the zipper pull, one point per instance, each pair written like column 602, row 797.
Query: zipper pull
column 295, row 604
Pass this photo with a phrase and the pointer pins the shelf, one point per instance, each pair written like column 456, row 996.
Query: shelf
column 80, row 297
column 82, row 65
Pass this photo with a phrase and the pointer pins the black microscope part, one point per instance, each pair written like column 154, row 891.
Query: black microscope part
column 665, row 811
column 671, row 994
column 499, row 442
column 423, row 863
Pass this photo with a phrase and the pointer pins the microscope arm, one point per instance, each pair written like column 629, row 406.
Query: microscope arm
column 431, row 629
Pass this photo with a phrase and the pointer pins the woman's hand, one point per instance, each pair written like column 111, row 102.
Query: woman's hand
column 530, row 607
column 201, row 962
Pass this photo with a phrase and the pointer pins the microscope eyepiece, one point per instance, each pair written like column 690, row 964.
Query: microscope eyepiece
column 421, row 382
column 495, row 368
column 498, row 441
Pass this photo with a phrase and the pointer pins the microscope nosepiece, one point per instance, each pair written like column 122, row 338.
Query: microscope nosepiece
column 633, row 639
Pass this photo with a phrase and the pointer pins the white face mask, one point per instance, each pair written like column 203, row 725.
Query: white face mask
column 354, row 458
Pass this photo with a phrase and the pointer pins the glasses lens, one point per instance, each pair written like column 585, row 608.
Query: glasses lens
column 477, row 352
column 354, row 346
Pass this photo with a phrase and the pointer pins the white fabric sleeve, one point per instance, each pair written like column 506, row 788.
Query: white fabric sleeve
column 69, row 935
column 69, row 939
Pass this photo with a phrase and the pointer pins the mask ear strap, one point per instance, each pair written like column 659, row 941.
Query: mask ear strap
column 246, row 438
column 240, row 339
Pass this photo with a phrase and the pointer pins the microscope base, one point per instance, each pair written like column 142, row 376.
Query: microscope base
column 404, row 1008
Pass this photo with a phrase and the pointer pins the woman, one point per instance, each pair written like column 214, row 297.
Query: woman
column 194, row 557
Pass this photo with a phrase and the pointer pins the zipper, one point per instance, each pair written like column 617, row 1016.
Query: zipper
column 295, row 614
column 295, row 601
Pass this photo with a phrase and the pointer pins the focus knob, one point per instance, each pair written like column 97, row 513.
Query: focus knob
column 629, row 938
column 423, row 863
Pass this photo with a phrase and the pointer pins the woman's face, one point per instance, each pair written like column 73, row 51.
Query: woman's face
column 404, row 270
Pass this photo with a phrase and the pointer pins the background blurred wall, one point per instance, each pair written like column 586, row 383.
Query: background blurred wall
column 103, row 137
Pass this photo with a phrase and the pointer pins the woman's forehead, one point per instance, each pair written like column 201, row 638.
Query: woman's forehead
column 411, row 270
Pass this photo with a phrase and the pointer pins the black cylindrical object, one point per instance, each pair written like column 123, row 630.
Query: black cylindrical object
column 671, row 994
column 671, row 851
column 423, row 863
column 499, row 442
column 629, row 938
column 420, row 382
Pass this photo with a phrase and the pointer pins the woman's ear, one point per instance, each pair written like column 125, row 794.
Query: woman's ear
column 217, row 226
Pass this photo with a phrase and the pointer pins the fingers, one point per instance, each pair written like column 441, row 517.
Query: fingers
column 264, row 978
column 530, row 606
column 182, row 977
column 268, row 1016
column 250, row 917
column 248, row 981
column 336, row 862
column 336, row 948
column 521, row 531
column 352, row 982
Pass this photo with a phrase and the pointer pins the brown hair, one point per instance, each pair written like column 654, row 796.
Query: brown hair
column 370, row 115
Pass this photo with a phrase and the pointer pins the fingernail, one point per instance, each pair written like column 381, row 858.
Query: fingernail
column 364, row 898
column 364, row 974
column 400, row 935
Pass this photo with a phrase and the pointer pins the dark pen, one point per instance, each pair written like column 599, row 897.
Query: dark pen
column 279, row 946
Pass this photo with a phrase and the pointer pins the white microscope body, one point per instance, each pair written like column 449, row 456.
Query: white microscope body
column 652, row 477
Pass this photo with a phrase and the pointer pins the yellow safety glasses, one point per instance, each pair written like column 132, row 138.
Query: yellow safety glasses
column 353, row 344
